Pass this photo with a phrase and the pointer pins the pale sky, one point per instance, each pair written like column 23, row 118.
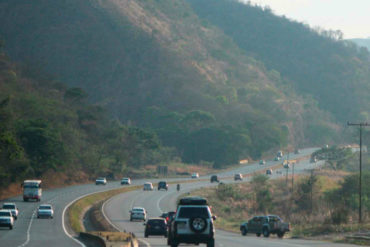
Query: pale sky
column 352, row 17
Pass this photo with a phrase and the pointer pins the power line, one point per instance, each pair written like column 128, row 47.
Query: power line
column 360, row 180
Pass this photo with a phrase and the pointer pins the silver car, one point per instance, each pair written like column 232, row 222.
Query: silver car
column 12, row 208
column 45, row 211
column 6, row 218
column 137, row 213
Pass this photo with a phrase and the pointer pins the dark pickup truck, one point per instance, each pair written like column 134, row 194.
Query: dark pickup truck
column 266, row 225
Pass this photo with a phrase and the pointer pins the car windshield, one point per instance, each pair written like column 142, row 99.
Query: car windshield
column 2, row 214
column 162, row 183
column 45, row 207
column 8, row 206
column 101, row 179
column 188, row 212
column 138, row 210
column 31, row 185
column 156, row 222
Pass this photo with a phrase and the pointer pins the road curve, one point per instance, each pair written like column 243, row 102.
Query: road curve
column 30, row 231
column 117, row 211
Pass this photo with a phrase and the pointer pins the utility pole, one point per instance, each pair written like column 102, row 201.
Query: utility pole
column 293, row 177
column 360, row 180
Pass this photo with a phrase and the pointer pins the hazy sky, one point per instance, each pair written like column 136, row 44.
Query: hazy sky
column 352, row 17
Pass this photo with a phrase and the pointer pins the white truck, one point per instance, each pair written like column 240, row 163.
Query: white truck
column 32, row 190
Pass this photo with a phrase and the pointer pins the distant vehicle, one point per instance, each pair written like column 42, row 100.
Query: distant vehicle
column 266, row 225
column 32, row 190
column 162, row 185
column 297, row 151
column 137, row 213
column 125, row 181
column 280, row 154
column 277, row 158
column 6, row 219
column 268, row 172
column 286, row 166
column 195, row 175
column 238, row 176
column 12, row 208
column 168, row 216
column 148, row 186
column 214, row 178
column 45, row 211
column 178, row 186
column 262, row 162
column 156, row 226
column 101, row 180
column 193, row 223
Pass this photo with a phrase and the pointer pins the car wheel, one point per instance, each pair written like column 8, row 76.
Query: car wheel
column 198, row 224
column 258, row 234
column 51, row 217
column 174, row 244
column 244, row 231
column 211, row 243
column 130, row 219
column 146, row 235
column 15, row 217
column 280, row 234
column 266, row 232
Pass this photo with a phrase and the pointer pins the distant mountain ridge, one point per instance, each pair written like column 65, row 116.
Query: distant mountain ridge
column 362, row 42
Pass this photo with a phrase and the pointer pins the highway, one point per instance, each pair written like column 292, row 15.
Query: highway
column 30, row 231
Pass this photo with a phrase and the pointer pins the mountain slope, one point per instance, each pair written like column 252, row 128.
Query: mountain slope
column 156, row 64
column 334, row 72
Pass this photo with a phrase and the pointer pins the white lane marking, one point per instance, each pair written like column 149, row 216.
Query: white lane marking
column 68, row 205
column 28, row 230
column 105, row 216
column 161, row 198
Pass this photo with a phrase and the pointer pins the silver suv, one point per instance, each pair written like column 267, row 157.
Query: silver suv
column 193, row 223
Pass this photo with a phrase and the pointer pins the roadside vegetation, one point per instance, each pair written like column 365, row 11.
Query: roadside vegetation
column 323, row 202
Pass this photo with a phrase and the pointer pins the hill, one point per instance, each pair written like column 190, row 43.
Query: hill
column 314, row 62
column 47, row 128
column 362, row 42
column 161, row 65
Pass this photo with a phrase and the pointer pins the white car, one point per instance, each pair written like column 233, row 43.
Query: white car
column 12, row 208
column 125, row 181
column 45, row 210
column 148, row 186
column 6, row 218
column 195, row 175
column 137, row 213
column 102, row 181
column 262, row 162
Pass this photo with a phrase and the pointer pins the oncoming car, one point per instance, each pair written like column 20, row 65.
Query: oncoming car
column 195, row 175
column 12, row 208
column 6, row 219
column 125, row 181
column 101, row 180
column 45, row 211
column 148, row 186
column 137, row 213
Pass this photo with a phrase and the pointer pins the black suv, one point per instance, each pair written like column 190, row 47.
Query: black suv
column 193, row 223
column 162, row 185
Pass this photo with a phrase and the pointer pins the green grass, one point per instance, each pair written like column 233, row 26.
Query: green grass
column 77, row 209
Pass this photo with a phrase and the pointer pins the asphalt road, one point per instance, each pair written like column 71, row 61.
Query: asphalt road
column 30, row 231
column 156, row 202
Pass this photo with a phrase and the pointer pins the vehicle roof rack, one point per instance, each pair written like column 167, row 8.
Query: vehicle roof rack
column 193, row 200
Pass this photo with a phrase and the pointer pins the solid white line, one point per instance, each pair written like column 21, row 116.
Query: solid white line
column 68, row 205
column 105, row 216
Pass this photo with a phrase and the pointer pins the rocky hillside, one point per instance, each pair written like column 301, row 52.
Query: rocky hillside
column 166, row 66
